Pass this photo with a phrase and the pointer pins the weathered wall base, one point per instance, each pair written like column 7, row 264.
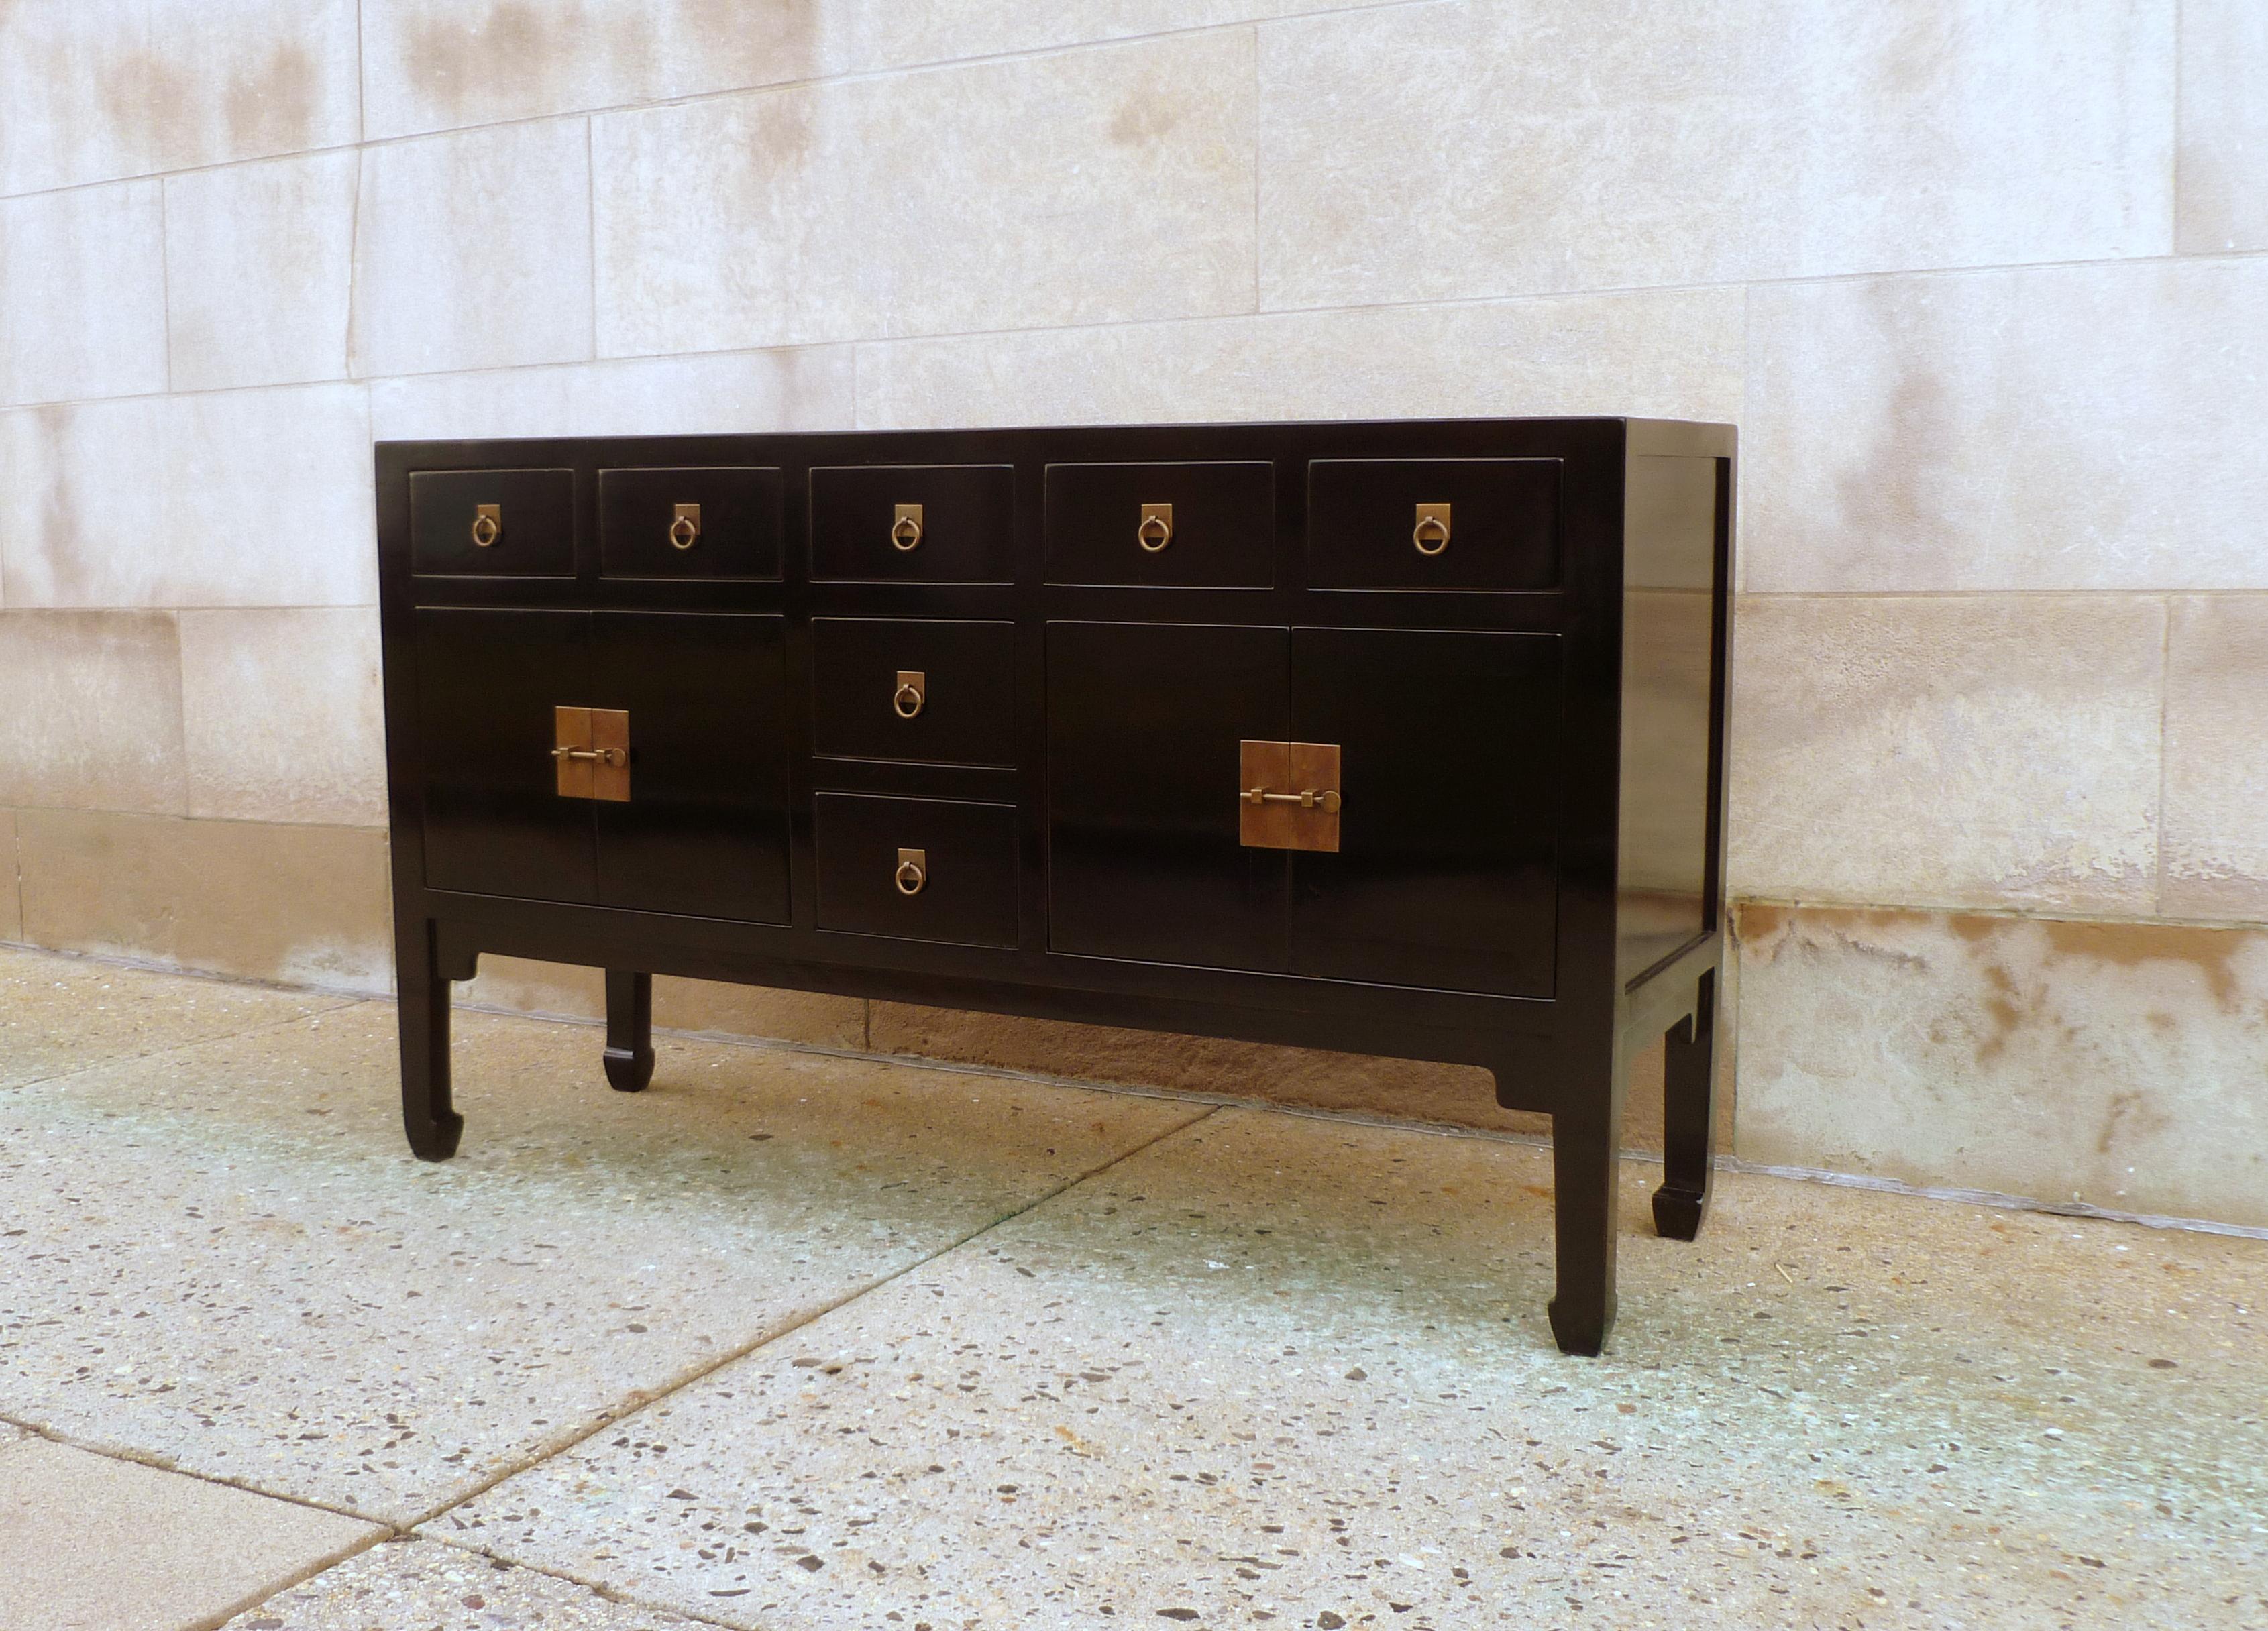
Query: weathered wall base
column 2119, row 1065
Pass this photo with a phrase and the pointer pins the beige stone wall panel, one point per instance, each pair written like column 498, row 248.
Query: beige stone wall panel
column 1099, row 185
column 473, row 250
column 2223, row 153
column 440, row 64
column 1675, row 354
column 259, row 266
column 807, row 389
column 231, row 499
column 1948, row 750
column 2056, row 428
column 302, row 904
column 82, row 292
column 1479, row 149
column 11, row 895
column 2216, row 844
column 282, row 714
column 99, row 89
column 92, row 718
column 2118, row 1065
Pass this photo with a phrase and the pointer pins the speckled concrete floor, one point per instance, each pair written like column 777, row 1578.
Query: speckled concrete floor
column 799, row 1340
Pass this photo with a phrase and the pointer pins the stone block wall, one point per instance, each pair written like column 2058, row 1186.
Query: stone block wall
column 1982, row 281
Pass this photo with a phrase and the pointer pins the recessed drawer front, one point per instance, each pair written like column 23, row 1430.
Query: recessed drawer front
column 1434, row 523
column 1190, row 526
column 691, row 523
column 492, row 523
column 931, row 524
column 919, row 868
column 914, row 688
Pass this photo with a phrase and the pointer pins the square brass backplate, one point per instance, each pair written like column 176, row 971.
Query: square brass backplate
column 1288, row 795
column 591, row 749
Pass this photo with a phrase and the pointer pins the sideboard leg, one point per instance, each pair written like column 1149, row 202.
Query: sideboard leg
column 1586, row 1158
column 1689, row 1116
column 629, row 1030
column 432, row 1124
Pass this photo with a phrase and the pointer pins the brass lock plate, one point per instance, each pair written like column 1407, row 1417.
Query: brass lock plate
column 592, row 748
column 684, row 525
column 1288, row 795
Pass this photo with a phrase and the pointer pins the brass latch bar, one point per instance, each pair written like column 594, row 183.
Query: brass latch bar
column 593, row 752
column 1288, row 795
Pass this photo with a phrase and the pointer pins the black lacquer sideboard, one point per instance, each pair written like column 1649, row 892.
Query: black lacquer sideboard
column 1403, row 738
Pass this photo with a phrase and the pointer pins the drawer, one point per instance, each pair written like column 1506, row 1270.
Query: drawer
column 693, row 522
column 1193, row 527
column 1434, row 523
column 920, row 869
column 943, row 693
column 493, row 523
column 930, row 524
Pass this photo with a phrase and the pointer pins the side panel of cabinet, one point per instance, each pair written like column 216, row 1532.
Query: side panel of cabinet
column 704, row 831
column 487, row 683
column 1143, row 726
column 1446, row 875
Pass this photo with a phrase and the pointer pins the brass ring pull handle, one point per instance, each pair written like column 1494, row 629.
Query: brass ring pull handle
column 1157, row 528
column 685, row 527
column 913, row 872
column 912, row 692
column 906, row 528
column 1325, row 799
column 1430, row 535
column 488, row 525
column 595, row 755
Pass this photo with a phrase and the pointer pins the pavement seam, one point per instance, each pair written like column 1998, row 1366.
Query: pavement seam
column 156, row 1463
column 570, row 1442
column 302, row 1573
column 184, row 1046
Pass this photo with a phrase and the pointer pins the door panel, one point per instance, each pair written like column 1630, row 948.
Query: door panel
column 1144, row 859
column 1446, row 875
column 705, row 829
column 487, row 684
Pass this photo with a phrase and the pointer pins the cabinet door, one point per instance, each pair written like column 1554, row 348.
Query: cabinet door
column 1446, row 875
column 704, row 830
column 1143, row 860
column 487, row 683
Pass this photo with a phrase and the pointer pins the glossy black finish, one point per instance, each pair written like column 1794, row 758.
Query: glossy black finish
column 536, row 537
column 1224, row 524
column 967, row 894
column 968, row 523
column 705, row 832
column 1447, row 875
column 629, row 1057
column 1503, row 523
column 739, row 531
column 1531, row 856
column 967, row 715
column 487, row 682
column 1143, row 860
